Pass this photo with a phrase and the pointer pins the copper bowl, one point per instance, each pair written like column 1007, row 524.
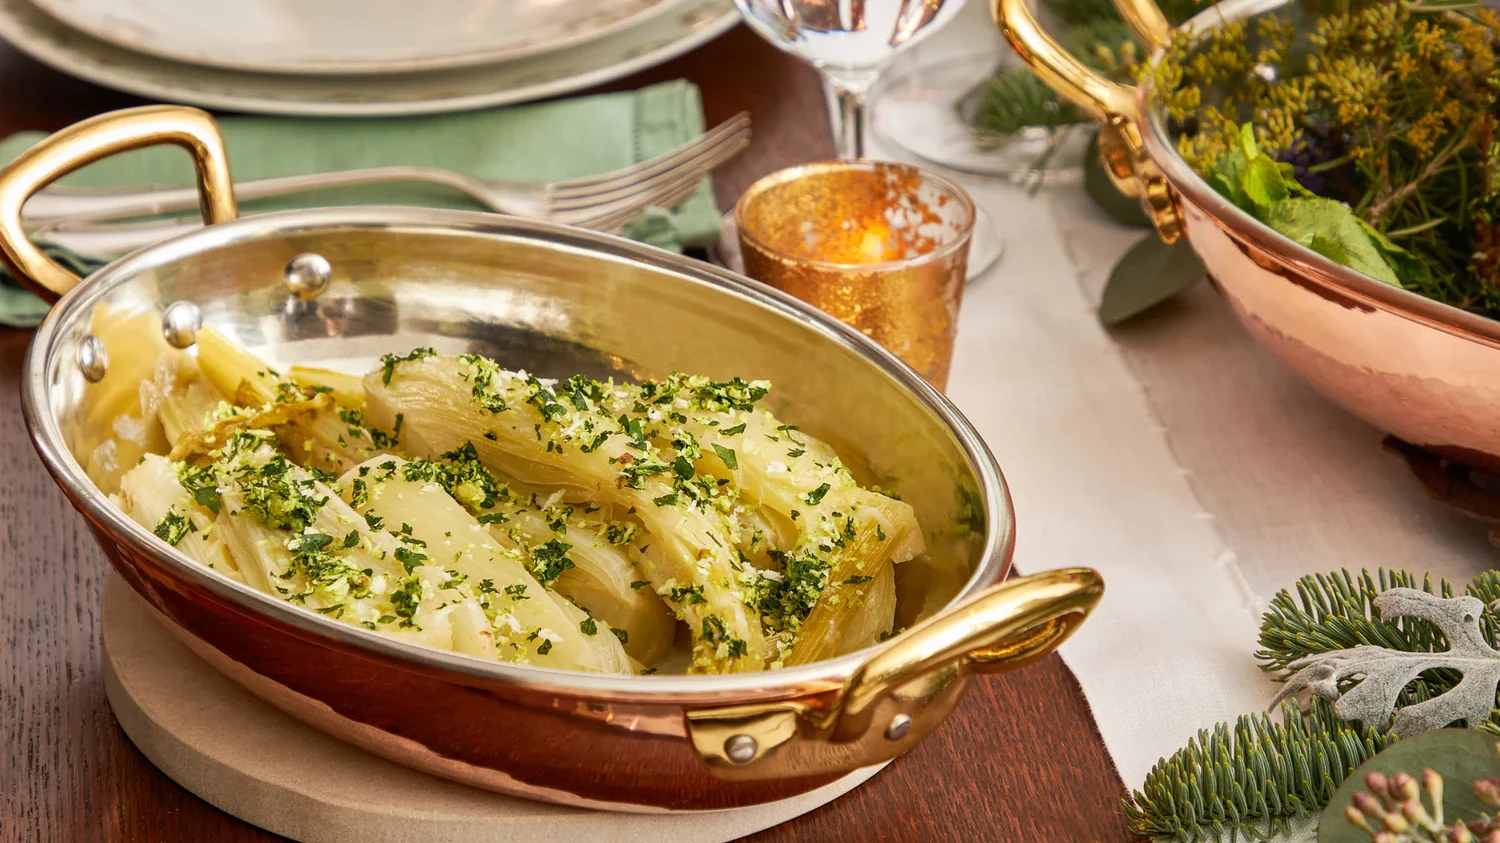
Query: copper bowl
column 1414, row 367
column 556, row 301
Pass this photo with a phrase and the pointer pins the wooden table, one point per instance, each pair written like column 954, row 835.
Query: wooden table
column 1020, row 760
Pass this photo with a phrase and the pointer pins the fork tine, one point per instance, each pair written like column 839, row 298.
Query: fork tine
column 640, row 193
column 658, row 193
column 607, row 181
column 616, row 221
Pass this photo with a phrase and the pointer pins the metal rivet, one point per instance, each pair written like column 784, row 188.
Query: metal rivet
column 180, row 324
column 741, row 748
column 899, row 728
column 307, row 275
column 92, row 361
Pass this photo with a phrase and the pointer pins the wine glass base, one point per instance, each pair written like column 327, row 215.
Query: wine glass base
column 923, row 110
column 986, row 244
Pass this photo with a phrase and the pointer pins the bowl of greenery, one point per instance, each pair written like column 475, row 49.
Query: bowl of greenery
column 1335, row 166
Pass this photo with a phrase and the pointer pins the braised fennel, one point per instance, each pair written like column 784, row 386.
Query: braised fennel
column 575, row 525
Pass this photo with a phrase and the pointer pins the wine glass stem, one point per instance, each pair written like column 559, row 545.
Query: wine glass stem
column 850, row 87
column 851, row 123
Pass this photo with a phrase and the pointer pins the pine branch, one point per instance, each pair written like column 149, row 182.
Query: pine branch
column 1251, row 780
column 1336, row 611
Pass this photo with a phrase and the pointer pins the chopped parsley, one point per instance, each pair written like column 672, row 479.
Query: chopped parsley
column 816, row 495
column 410, row 559
column 686, row 594
column 858, row 579
column 388, row 362
column 549, row 560
column 173, row 527
column 517, row 591
column 589, row 627
column 405, row 599
column 203, row 484
column 620, row 634
column 731, row 460
column 715, row 633
column 621, row 532
column 734, row 431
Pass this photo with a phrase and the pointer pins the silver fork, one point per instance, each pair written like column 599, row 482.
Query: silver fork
column 106, row 241
column 602, row 202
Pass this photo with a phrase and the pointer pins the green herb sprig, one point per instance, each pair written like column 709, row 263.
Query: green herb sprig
column 1384, row 107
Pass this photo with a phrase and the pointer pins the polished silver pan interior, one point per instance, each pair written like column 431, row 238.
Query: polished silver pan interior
column 553, row 301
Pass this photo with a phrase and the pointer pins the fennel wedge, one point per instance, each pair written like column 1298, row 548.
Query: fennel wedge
column 566, row 438
column 534, row 625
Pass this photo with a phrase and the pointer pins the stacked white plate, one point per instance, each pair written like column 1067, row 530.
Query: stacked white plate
column 357, row 57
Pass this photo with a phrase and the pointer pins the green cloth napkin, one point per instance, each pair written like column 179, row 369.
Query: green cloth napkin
column 541, row 142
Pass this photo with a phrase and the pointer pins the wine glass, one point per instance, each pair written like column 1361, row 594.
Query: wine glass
column 849, row 41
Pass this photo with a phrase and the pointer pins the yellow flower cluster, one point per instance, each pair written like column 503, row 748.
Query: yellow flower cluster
column 1382, row 78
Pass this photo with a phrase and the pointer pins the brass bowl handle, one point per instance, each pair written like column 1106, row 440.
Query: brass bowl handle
column 1112, row 104
column 903, row 691
column 84, row 143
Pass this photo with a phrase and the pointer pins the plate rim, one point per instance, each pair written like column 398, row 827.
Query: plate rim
column 66, row 58
column 65, row 13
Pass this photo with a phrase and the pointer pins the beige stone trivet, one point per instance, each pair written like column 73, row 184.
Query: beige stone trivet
column 260, row 765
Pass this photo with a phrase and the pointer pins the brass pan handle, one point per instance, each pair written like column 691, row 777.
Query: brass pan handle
column 901, row 693
column 1112, row 104
column 1005, row 627
column 84, row 143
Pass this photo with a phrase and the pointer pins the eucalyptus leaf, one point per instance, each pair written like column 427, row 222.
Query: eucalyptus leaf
column 1149, row 274
column 1460, row 756
column 1096, row 182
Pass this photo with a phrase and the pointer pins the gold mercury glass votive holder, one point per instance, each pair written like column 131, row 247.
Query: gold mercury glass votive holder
column 881, row 246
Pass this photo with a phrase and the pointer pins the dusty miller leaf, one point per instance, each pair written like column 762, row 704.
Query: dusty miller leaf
column 1385, row 672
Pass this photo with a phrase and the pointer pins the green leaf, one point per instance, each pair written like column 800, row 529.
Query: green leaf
column 1304, row 219
column 1460, row 756
column 1228, row 179
column 1149, row 274
column 1263, row 184
column 1410, row 269
column 1248, row 147
column 1329, row 249
column 731, row 461
column 1122, row 209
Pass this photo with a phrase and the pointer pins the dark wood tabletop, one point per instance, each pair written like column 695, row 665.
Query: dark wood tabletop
column 1020, row 760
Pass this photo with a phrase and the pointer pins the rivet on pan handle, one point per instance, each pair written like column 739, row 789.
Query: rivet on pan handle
column 901, row 693
column 87, row 142
column 1112, row 104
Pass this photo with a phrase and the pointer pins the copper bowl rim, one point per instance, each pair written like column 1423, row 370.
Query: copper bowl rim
column 790, row 173
column 46, row 435
column 1256, row 234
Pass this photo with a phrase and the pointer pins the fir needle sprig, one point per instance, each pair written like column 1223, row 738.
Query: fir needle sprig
column 1251, row 780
